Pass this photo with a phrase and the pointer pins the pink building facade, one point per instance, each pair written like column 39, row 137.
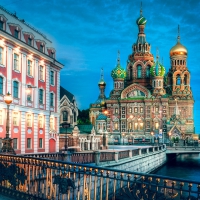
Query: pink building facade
column 30, row 72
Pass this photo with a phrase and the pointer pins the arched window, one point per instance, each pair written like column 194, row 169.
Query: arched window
column 135, row 126
column 141, row 125
column 175, row 62
column 185, row 79
column 159, row 83
column 148, row 71
column 178, row 80
column 139, row 47
column 154, row 83
column 1, row 85
column 178, row 62
column 156, row 125
column 65, row 116
column 99, row 126
column 116, row 125
column 139, row 71
column 74, row 116
column 131, row 73
column 129, row 125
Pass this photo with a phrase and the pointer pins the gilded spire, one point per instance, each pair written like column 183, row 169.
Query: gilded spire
column 178, row 38
column 157, row 54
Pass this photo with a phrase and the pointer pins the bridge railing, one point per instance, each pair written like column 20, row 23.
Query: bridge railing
column 38, row 179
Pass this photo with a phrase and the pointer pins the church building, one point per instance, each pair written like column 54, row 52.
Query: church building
column 146, row 103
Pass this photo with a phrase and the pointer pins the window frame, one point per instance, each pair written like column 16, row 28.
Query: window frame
column 51, row 99
column 51, row 123
column 41, row 96
column 41, row 48
column 29, row 120
column 29, row 68
column 16, row 33
column 1, row 22
column 29, row 41
column 1, row 55
column 29, row 143
column 15, row 119
column 41, row 73
column 15, row 143
column 16, row 62
column 40, row 143
column 40, row 121
column 66, row 116
column 52, row 77
column 1, row 85
column 139, row 71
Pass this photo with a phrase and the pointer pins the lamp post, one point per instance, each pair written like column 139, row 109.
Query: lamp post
column 7, row 142
column 152, row 133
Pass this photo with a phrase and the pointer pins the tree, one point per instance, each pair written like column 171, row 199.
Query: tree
column 83, row 117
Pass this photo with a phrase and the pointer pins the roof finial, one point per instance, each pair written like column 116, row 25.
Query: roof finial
column 141, row 9
column 157, row 53
column 118, row 58
column 102, row 74
column 178, row 38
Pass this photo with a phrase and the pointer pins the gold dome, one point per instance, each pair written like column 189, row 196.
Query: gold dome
column 178, row 49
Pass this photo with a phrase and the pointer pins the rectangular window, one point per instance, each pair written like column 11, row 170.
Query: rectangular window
column 28, row 97
column 15, row 119
column 51, row 99
column 141, row 109
column 40, row 122
column 1, row 25
column 116, row 110
column 52, row 54
column 29, row 70
column 29, row 120
column 52, row 77
column 41, row 48
column 1, row 85
column 135, row 110
column 141, row 126
column 135, row 126
column 28, row 143
column 116, row 126
column 1, row 117
column 16, row 62
column 30, row 41
column 130, row 110
column 156, row 125
column 41, row 73
column 41, row 96
column 1, row 55
column 15, row 143
column 156, row 109
column 52, row 123
column 15, row 89
column 40, row 143
column 16, row 34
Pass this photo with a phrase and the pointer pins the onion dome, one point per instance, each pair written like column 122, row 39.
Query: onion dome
column 141, row 20
column 157, row 69
column 102, row 83
column 101, row 117
column 118, row 72
column 178, row 49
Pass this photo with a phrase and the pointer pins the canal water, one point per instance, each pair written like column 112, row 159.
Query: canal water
column 186, row 166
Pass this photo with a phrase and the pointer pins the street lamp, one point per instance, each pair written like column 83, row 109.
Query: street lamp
column 152, row 133
column 7, row 142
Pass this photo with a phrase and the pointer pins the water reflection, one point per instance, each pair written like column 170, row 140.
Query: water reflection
column 186, row 166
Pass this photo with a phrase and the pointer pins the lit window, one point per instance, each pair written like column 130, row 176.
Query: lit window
column 15, row 119
column 141, row 126
column 41, row 96
column 1, row 55
column 141, row 109
column 16, row 34
column 41, row 73
column 52, row 77
column 15, row 143
column 52, row 123
column 156, row 125
column 156, row 109
column 29, row 120
column 30, row 41
column 16, row 62
column 130, row 125
column 116, row 110
column 135, row 110
column 1, row 85
column 116, row 125
column 1, row 25
column 41, row 48
column 51, row 99
column 65, row 116
column 29, row 71
column 40, row 143
column 40, row 122
column 135, row 126
column 1, row 117
column 28, row 143
column 130, row 110
column 15, row 89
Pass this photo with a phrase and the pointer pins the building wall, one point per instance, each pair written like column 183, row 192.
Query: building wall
column 21, row 106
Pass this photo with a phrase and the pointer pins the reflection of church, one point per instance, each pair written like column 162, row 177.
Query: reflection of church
column 145, row 101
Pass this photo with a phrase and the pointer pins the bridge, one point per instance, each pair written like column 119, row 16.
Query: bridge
column 183, row 149
column 41, row 178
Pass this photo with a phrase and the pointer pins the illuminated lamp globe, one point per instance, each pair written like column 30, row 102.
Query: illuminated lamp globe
column 8, row 98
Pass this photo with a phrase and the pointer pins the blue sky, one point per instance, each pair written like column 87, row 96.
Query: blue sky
column 88, row 33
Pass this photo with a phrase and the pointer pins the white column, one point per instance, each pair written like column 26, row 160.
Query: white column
column 46, row 144
column 35, row 137
column 9, row 69
column 36, row 72
column 57, row 130
column 47, row 70
column 23, row 71
column 57, row 109
column 23, row 132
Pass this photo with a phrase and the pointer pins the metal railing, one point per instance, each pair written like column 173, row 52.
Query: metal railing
column 36, row 178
